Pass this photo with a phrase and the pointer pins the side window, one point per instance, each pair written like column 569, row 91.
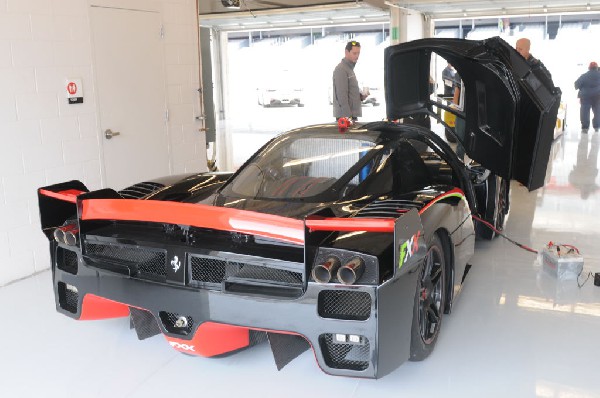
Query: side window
column 449, row 87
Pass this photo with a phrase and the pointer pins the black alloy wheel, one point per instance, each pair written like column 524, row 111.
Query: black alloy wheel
column 429, row 302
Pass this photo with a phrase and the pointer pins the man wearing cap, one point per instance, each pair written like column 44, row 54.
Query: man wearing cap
column 347, row 98
column 588, row 85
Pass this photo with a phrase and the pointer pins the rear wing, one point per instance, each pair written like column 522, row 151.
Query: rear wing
column 57, row 203
column 72, row 200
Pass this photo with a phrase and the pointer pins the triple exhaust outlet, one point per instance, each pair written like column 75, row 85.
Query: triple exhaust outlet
column 347, row 274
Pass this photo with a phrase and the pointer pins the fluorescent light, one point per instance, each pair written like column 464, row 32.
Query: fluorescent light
column 344, row 17
column 313, row 19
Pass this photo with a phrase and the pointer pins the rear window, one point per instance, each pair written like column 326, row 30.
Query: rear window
column 300, row 167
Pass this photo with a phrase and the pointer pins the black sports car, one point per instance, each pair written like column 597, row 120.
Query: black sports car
column 353, row 243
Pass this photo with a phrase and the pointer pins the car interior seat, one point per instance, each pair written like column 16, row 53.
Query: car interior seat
column 410, row 171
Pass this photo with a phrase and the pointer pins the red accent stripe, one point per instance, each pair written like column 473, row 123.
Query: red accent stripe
column 69, row 195
column 213, row 339
column 95, row 307
column 442, row 196
column 219, row 218
column 352, row 224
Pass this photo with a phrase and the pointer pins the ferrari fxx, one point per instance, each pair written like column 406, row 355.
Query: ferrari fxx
column 351, row 242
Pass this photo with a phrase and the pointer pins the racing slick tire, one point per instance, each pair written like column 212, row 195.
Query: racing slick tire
column 496, row 207
column 430, row 300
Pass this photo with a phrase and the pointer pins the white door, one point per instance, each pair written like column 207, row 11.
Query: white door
column 130, row 79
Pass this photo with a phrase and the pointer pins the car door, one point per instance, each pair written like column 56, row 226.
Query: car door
column 509, row 110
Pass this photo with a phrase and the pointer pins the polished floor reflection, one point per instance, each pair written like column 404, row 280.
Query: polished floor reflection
column 515, row 331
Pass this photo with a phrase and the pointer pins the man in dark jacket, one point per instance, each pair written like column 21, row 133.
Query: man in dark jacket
column 449, row 78
column 347, row 98
column 588, row 85
column 523, row 47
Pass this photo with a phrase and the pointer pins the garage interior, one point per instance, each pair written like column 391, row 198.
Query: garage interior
column 516, row 330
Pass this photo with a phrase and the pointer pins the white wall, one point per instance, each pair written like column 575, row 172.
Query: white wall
column 43, row 140
column 407, row 25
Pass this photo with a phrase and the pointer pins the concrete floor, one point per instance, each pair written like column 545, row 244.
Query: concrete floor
column 515, row 331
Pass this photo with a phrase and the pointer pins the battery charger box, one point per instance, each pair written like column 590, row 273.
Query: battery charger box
column 563, row 262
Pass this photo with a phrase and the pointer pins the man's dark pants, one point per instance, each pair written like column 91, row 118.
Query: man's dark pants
column 587, row 104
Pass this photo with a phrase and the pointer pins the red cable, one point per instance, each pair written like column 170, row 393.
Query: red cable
column 522, row 246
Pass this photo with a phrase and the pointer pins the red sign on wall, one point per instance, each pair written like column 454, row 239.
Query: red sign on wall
column 72, row 88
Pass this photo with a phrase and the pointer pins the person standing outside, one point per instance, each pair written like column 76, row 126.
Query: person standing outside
column 523, row 47
column 449, row 79
column 347, row 98
column 588, row 85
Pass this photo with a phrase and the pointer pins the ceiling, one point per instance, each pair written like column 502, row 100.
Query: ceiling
column 280, row 14
column 440, row 9
column 307, row 16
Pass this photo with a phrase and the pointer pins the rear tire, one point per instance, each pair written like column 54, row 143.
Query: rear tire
column 496, row 207
column 430, row 301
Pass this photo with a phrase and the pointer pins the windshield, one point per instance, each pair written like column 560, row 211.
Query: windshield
column 301, row 165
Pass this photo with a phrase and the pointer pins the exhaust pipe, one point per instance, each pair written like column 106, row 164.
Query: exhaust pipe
column 71, row 237
column 323, row 273
column 66, row 234
column 59, row 235
column 351, row 271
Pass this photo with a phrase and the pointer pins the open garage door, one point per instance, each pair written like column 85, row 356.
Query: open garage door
column 276, row 71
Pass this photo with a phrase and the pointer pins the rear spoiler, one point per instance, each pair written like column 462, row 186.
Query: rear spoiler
column 72, row 199
column 57, row 203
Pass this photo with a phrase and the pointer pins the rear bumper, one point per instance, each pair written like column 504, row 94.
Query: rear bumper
column 208, row 301
column 379, row 315
column 294, row 101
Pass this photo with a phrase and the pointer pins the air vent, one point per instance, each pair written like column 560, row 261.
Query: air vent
column 66, row 260
column 68, row 297
column 387, row 208
column 345, row 354
column 140, row 190
column 344, row 304
column 142, row 262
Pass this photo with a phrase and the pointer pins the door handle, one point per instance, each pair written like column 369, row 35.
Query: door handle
column 110, row 134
